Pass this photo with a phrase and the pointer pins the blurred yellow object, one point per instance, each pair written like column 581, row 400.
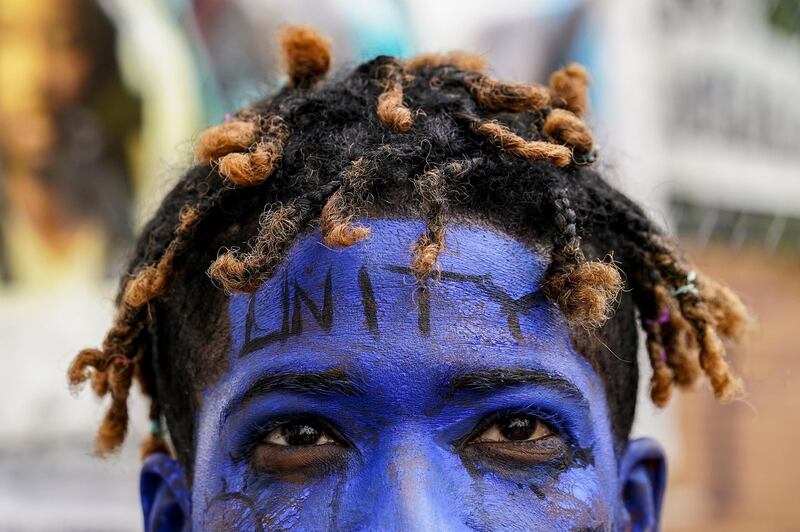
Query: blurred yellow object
column 45, row 67
column 38, row 265
column 90, row 119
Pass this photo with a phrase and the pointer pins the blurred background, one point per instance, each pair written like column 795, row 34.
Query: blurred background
column 696, row 105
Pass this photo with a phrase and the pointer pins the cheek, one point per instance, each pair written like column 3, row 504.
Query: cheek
column 229, row 494
column 275, row 505
column 580, row 498
column 576, row 498
column 231, row 511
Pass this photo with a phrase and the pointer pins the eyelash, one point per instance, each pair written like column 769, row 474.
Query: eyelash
column 256, row 432
column 556, row 422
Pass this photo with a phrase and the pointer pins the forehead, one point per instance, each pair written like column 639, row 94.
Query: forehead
column 362, row 308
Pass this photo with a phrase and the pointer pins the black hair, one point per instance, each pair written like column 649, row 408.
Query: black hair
column 429, row 138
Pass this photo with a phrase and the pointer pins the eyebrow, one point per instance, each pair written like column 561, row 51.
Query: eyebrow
column 491, row 380
column 317, row 384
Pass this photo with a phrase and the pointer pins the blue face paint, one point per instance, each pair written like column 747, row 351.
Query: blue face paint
column 460, row 405
column 164, row 494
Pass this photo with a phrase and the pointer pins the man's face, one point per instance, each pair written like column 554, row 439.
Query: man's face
column 355, row 399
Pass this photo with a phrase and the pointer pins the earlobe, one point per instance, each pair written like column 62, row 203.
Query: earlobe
column 643, row 476
column 166, row 502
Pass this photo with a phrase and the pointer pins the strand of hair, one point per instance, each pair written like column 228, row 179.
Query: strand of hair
column 220, row 140
column 494, row 95
column 306, row 55
column 565, row 127
column 433, row 203
column 336, row 219
column 462, row 60
column 390, row 108
column 509, row 141
column 568, row 88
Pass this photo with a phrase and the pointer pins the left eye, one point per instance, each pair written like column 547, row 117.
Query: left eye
column 514, row 428
column 299, row 433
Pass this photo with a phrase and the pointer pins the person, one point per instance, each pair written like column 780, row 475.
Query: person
column 68, row 125
column 403, row 299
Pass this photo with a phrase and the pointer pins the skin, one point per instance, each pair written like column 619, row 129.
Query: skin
column 417, row 398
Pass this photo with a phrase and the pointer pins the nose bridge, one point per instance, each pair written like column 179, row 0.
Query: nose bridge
column 419, row 497
column 410, row 469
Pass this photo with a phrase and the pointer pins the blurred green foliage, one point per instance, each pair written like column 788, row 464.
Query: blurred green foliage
column 785, row 15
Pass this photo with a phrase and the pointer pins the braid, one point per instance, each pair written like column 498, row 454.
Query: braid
column 509, row 141
column 663, row 377
column 342, row 207
column 306, row 55
column 494, row 95
column 461, row 60
column 585, row 291
column 391, row 110
column 111, row 369
column 694, row 318
column 568, row 89
column 662, row 380
column 218, row 141
column 430, row 187
column 151, row 281
column 671, row 329
column 682, row 349
column 728, row 313
column 112, row 430
column 565, row 127
column 239, row 272
column 712, row 354
column 256, row 165
column 278, row 228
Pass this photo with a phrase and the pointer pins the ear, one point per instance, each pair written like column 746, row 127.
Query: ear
column 166, row 502
column 643, row 476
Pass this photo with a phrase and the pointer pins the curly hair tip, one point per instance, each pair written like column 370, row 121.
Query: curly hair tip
column 306, row 54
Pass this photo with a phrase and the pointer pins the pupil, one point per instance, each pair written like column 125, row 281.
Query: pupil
column 518, row 428
column 300, row 434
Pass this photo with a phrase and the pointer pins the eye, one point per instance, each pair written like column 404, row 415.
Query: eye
column 299, row 433
column 508, row 441
column 300, row 448
column 514, row 428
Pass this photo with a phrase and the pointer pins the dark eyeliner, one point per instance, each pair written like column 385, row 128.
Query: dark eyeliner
column 551, row 419
column 255, row 433
column 298, row 463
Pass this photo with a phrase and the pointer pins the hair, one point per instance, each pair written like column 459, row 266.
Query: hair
column 434, row 138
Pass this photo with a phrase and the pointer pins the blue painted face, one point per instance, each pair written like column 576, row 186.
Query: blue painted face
column 355, row 399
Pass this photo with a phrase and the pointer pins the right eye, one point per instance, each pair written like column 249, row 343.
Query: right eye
column 299, row 433
column 303, row 447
